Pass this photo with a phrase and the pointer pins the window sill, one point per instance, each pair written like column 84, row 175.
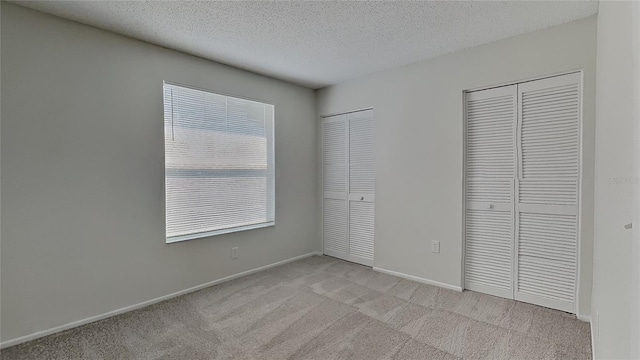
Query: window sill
column 180, row 238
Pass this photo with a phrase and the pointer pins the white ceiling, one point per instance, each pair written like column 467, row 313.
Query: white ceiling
column 316, row 44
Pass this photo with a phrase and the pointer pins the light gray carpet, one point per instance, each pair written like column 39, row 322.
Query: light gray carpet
column 323, row 308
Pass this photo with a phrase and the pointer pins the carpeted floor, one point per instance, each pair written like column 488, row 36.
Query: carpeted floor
column 323, row 308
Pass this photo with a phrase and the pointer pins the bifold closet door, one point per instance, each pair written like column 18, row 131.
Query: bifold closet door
column 522, row 191
column 361, row 187
column 490, row 171
column 547, row 191
column 349, row 186
column 335, row 157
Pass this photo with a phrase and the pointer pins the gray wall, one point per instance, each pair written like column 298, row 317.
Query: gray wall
column 419, row 144
column 616, row 297
column 83, row 171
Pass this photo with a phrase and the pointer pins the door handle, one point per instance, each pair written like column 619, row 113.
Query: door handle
column 489, row 206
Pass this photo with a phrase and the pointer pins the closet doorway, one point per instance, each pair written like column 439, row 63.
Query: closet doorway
column 522, row 181
column 349, row 186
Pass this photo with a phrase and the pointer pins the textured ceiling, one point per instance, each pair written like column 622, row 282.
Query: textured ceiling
column 316, row 44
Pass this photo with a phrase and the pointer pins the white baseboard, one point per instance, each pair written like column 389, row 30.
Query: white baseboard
column 123, row 310
column 585, row 318
column 418, row 279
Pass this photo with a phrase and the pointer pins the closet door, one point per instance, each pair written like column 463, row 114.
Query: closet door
column 335, row 157
column 349, row 186
column 361, row 187
column 490, row 172
column 547, row 191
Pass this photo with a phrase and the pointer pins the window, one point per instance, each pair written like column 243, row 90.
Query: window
column 219, row 163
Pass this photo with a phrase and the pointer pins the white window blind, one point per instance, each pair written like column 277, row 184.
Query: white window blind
column 219, row 163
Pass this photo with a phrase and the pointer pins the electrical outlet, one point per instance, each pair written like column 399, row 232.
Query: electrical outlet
column 234, row 252
column 435, row 246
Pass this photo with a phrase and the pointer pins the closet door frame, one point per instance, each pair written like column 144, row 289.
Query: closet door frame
column 518, row 154
column 367, row 198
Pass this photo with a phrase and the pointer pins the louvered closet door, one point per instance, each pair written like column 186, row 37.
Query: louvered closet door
column 361, row 187
column 547, row 191
column 490, row 172
column 335, row 186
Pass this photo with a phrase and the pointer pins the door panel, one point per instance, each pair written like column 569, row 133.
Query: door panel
column 547, row 196
column 361, row 187
column 335, row 228
column 335, row 183
column 361, row 153
column 488, row 253
column 490, row 171
column 361, row 229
